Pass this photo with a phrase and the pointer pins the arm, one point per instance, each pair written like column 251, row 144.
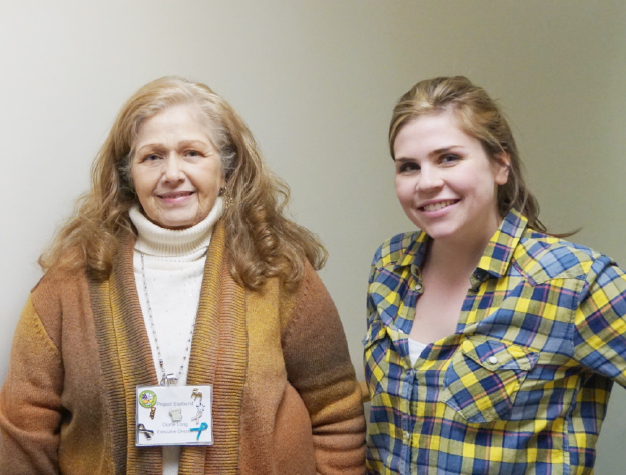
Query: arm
column 30, row 401
column 600, row 322
column 319, row 367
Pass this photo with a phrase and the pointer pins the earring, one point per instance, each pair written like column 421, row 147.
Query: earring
column 226, row 199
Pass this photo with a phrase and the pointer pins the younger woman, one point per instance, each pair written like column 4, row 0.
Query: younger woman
column 491, row 346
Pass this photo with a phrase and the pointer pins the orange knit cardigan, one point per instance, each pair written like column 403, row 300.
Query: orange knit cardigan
column 285, row 396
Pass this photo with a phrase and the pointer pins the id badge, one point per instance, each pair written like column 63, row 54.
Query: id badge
column 173, row 415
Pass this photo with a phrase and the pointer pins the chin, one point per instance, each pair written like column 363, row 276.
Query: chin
column 177, row 223
column 441, row 233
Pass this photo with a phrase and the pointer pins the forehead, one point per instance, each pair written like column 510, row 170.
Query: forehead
column 179, row 121
column 430, row 132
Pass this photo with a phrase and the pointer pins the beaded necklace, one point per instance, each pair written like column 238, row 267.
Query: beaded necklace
column 167, row 379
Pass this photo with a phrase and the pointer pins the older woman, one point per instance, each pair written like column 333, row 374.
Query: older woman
column 491, row 346
column 179, row 268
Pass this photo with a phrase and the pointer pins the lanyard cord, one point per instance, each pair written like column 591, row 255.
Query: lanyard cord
column 167, row 379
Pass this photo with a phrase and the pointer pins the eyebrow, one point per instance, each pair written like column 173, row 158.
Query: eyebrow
column 432, row 153
column 194, row 143
column 183, row 144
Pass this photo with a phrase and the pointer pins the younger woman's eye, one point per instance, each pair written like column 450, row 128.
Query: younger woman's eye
column 408, row 167
column 449, row 158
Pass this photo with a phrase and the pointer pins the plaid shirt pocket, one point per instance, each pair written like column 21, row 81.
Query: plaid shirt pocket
column 484, row 376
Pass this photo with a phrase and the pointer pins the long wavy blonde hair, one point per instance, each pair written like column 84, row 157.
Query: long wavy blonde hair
column 480, row 117
column 261, row 241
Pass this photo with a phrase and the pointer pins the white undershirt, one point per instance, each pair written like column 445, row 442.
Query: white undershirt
column 174, row 265
column 415, row 350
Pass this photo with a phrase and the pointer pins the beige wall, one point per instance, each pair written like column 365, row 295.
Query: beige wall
column 316, row 82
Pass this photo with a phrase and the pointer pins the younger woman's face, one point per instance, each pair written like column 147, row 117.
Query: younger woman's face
column 445, row 181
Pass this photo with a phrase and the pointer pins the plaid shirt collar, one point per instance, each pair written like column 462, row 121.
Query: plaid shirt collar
column 495, row 259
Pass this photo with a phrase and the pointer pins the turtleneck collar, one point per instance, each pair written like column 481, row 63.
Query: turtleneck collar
column 157, row 241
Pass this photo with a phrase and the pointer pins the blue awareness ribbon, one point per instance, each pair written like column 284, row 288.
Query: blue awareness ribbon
column 202, row 427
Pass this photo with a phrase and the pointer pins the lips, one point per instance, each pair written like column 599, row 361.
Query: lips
column 437, row 205
column 174, row 194
column 175, row 197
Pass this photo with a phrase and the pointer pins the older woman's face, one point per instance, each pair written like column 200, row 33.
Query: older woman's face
column 176, row 170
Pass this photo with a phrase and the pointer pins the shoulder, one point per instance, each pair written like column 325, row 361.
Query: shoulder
column 542, row 257
column 395, row 249
column 291, row 301
column 311, row 291
column 57, row 291
column 58, row 280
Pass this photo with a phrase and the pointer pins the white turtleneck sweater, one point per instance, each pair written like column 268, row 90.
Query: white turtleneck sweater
column 173, row 266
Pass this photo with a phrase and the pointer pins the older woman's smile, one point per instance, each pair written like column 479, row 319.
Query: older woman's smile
column 175, row 197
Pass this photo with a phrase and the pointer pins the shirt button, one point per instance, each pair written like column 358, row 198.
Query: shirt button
column 407, row 437
column 479, row 275
column 492, row 360
column 418, row 287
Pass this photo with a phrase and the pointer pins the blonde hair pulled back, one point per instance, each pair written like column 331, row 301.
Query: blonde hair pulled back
column 480, row 117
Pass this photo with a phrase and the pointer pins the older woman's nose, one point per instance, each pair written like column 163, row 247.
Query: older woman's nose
column 173, row 169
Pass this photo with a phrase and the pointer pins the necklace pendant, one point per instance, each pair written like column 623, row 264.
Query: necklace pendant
column 168, row 379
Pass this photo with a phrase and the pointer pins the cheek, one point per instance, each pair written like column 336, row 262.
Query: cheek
column 143, row 183
column 140, row 185
column 404, row 191
column 209, row 191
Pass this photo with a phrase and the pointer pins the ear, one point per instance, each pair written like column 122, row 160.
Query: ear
column 502, row 167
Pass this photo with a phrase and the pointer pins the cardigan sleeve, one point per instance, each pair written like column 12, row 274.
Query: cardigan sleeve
column 319, row 367
column 30, row 400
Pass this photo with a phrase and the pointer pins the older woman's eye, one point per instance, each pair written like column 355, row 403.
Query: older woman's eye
column 150, row 157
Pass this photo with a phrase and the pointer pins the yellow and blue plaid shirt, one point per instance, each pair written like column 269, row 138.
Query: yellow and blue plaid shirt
column 522, row 386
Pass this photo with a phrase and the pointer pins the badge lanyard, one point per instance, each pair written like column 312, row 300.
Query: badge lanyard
column 167, row 379
column 168, row 414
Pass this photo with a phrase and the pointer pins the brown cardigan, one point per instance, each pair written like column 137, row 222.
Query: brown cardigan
column 285, row 396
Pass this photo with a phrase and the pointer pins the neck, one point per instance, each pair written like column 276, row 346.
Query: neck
column 455, row 260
